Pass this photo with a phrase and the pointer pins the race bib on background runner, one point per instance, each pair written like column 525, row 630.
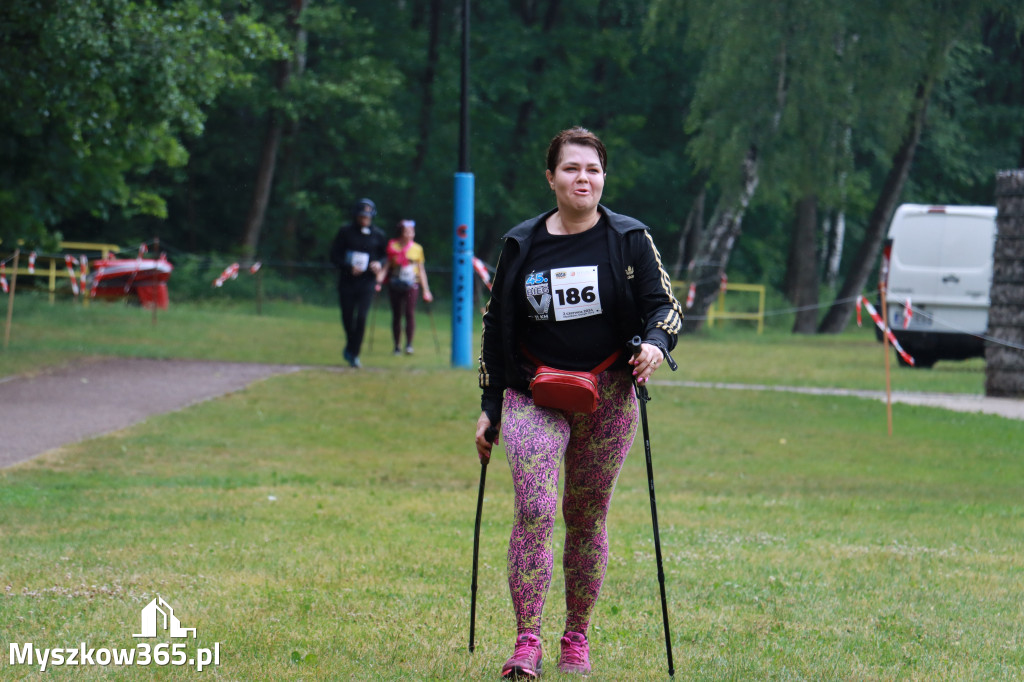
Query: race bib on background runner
column 359, row 260
column 409, row 274
column 564, row 293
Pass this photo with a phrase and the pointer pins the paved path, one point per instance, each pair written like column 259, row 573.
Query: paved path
column 97, row 396
column 1010, row 408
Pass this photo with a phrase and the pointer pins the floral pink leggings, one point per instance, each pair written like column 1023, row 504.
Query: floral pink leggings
column 594, row 447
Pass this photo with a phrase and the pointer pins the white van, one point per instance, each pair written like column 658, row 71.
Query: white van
column 939, row 258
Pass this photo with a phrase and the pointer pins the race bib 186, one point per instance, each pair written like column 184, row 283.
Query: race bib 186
column 565, row 293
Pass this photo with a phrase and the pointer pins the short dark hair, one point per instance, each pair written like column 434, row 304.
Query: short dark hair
column 580, row 136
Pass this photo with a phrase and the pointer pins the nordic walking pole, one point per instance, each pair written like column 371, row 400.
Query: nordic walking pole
column 490, row 435
column 10, row 300
column 642, row 397
column 373, row 316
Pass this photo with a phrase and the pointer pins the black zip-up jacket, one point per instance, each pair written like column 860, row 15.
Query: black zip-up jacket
column 643, row 297
column 351, row 237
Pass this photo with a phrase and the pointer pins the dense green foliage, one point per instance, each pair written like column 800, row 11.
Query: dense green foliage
column 128, row 120
column 97, row 94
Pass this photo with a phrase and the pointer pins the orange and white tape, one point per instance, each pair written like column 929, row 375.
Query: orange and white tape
column 691, row 295
column 32, row 263
column 885, row 329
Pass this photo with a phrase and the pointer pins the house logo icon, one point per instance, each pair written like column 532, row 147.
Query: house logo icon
column 158, row 614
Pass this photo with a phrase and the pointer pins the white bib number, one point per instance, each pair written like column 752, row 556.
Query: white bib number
column 408, row 274
column 359, row 260
column 575, row 293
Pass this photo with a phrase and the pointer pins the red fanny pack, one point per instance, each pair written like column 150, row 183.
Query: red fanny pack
column 563, row 389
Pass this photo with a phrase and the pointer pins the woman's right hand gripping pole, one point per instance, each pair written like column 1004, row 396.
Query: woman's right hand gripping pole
column 486, row 437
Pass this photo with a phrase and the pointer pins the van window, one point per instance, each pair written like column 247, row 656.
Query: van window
column 944, row 241
column 967, row 242
column 917, row 243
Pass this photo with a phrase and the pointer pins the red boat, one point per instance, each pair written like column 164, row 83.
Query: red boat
column 144, row 278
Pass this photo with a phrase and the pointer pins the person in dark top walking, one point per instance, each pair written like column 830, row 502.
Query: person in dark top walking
column 358, row 251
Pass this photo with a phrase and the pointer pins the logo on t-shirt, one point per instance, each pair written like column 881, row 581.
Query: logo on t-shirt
column 538, row 293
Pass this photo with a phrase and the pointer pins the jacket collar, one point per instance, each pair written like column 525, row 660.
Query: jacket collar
column 618, row 222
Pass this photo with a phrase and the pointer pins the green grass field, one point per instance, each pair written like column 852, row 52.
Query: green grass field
column 319, row 525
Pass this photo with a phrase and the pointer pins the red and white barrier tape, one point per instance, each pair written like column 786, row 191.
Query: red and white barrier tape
column 908, row 313
column 69, row 263
column 32, row 263
column 83, row 272
column 481, row 271
column 230, row 272
column 885, row 329
column 3, row 277
column 691, row 295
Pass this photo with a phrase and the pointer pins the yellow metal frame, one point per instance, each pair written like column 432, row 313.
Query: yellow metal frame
column 718, row 311
column 52, row 272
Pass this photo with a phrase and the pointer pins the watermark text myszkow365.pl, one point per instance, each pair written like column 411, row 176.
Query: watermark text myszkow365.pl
column 156, row 616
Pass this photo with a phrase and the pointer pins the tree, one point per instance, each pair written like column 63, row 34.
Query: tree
column 285, row 68
column 803, row 266
column 931, row 60
column 810, row 99
column 839, row 313
column 338, row 135
column 99, row 92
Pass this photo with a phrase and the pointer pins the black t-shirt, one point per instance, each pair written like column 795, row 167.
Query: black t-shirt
column 566, row 304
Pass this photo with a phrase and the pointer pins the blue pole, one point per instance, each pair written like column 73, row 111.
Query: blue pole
column 462, row 273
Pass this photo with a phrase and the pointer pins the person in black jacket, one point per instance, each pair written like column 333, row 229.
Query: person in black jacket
column 571, row 288
column 358, row 251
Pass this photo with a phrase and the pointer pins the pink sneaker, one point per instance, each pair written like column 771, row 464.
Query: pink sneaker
column 525, row 663
column 575, row 656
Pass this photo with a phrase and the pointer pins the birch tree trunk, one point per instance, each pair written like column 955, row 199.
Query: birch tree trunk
column 709, row 266
column 837, row 224
column 836, row 237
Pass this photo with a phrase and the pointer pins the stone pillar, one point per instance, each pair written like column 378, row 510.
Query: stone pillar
column 1004, row 352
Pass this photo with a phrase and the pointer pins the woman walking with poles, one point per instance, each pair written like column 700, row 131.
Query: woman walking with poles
column 572, row 287
column 406, row 275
